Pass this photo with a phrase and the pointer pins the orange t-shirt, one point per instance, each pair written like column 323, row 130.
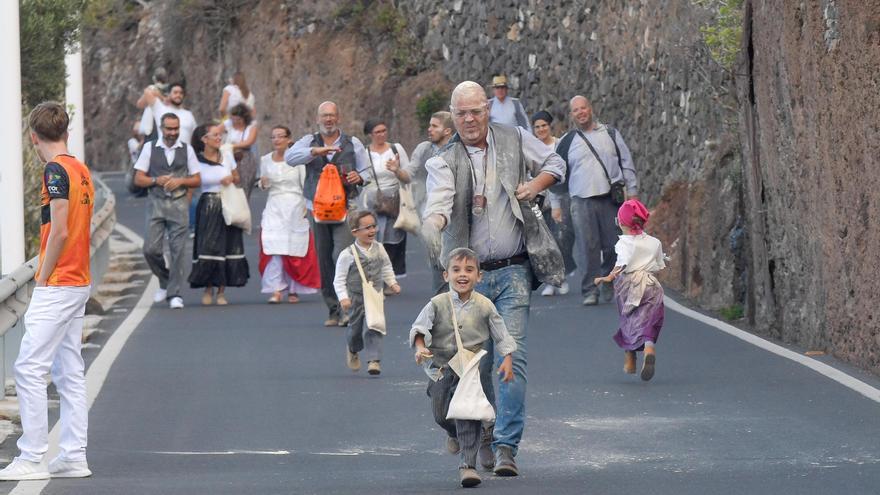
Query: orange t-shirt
column 65, row 177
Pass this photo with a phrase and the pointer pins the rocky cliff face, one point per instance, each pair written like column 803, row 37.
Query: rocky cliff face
column 810, row 111
column 731, row 187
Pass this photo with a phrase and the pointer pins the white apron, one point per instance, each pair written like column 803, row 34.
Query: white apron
column 285, row 228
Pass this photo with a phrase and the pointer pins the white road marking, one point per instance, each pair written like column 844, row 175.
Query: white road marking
column 100, row 367
column 229, row 452
column 817, row 366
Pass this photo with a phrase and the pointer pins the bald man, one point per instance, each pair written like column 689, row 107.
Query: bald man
column 347, row 153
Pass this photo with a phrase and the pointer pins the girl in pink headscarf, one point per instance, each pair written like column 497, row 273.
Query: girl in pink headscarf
column 638, row 294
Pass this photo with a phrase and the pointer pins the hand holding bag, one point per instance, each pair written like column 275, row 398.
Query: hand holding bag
column 468, row 402
column 408, row 217
column 236, row 211
column 374, row 300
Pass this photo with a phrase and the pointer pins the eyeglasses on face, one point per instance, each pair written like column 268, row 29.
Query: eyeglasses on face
column 365, row 227
column 473, row 112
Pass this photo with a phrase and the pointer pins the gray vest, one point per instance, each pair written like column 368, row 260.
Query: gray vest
column 372, row 265
column 544, row 255
column 473, row 326
column 344, row 160
column 159, row 166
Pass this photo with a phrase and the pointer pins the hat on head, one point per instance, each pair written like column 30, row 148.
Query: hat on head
column 633, row 215
column 499, row 81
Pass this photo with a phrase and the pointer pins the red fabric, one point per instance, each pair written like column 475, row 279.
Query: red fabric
column 304, row 270
column 629, row 210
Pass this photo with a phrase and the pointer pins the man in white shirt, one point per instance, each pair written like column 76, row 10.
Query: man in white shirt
column 167, row 168
column 506, row 110
column 153, row 100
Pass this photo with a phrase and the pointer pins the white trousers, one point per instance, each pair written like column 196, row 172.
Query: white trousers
column 53, row 342
column 275, row 279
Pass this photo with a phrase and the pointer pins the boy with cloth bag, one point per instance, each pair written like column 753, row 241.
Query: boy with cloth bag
column 451, row 330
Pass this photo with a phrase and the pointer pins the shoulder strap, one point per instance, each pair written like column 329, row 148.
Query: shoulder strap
column 357, row 261
column 596, row 154
column 458, row 343
column 612, row 132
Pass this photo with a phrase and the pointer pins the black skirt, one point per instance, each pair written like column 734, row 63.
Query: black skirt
column 218, row 249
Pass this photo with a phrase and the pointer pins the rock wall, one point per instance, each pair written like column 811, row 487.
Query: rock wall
column 810, row 114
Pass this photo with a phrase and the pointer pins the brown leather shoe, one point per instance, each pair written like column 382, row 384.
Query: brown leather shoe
column 469, row 477
column 504, row 463
column 352, row 360
column 331, row 322
column 629, row 362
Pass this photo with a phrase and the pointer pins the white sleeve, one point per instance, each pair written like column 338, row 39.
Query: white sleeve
column 143, row 161
column 624, row 250
column 387, row 268
column 404, row 158
column 147, row 122
column 441, row 188
column 192, row 163
column 343, row 264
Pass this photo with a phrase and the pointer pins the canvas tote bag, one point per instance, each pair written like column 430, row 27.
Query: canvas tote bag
column 468, row 401
column 408, row 217
column 374, row 305
column 236, row 211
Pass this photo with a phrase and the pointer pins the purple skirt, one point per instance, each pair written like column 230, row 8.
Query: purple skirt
column 644, row 322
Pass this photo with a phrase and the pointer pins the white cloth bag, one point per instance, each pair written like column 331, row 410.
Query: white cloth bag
column 236, row 211
column 408, row 217
column 374, row 301
column 468, row 402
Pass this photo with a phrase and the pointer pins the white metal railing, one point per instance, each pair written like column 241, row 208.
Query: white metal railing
column 16, row 288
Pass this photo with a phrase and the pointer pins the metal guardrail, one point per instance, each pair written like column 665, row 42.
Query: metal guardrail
column 16, row 288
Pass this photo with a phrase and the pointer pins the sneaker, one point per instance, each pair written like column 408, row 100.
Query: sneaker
column 648, row 365
column 60, row 468
column 563, row 289
column 331, row 322
column 548, row 290
column 352, row 360
column 591, row 300
column 468, row 477
column 176, row 303
column 160, row 295
column 485, row 456
column 20, row 469
column 373, row 368
column 504, row 463
column 452, row 445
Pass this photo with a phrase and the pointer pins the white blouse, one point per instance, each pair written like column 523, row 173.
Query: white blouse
column 386, row 179
column 235, row 97
column 235, row 136
column 212, row 174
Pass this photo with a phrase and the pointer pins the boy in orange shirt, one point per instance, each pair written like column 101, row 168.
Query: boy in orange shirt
column 54, row 319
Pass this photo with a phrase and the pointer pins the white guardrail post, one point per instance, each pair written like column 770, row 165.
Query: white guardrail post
column 16, row 288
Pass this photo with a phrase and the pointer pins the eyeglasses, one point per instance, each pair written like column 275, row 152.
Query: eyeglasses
column 473, row 112
column 365, row 227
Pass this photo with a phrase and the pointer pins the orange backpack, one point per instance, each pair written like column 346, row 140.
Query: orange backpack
column 329, row 205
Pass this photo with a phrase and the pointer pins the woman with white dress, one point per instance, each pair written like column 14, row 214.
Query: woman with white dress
column 288, row 261
column 237, row 91
column 241, row 133
column 388, row 168
column 218, row 249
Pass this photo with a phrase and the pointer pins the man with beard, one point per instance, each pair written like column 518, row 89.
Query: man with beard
column 347, row 153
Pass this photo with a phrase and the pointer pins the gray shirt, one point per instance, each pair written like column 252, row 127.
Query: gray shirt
column 586, row 178
column 509, row 112
column 495, row 234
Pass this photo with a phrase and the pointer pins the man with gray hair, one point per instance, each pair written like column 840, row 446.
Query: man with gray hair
column 347, row 153
column 481, row 192
column 600, row 168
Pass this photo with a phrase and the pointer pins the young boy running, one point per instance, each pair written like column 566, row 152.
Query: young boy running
column 54, row 319
column 349, row 289
column 433, row 337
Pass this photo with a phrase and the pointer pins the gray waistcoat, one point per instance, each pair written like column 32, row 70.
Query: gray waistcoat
column 372, row 264
column 344, row 160
column 473, row 326
column 544, row 255
column 159, row 166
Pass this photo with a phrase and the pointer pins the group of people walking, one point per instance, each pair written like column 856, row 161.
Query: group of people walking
column 478, row 185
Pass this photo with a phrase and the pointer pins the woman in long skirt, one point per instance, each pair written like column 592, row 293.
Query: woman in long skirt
column 218, row 249
column 388, row 168
column 288, row 261
column 241, row 134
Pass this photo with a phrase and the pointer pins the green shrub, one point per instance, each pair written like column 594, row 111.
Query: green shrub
column 732, row 313
column 434, row 101
column 724, row 36
column 47, row 29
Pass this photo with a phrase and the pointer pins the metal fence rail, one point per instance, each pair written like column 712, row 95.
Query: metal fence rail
column 16, row 288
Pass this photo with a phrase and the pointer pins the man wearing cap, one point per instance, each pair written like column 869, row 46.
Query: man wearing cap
column 506, row 110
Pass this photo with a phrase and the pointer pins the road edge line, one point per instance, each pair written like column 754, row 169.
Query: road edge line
column 819, row 367
column 100, row 367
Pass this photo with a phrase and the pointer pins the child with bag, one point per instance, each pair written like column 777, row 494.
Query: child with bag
column 449, row 335
column 361, row 272
column 638, row 294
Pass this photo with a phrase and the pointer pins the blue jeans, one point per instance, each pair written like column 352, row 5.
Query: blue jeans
column 510, row 288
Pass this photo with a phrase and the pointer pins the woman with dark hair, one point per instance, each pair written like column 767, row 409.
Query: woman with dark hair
column 288, row 261
column 388, row 168
column 218, row 249
column 241, row 133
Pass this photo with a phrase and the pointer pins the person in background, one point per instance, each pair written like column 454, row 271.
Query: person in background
column 562, row 229
column 135, row 142
column 505, row 109
column 241, row 133
column 288, row 261
column 218, row 249
column 154, row 99
column 235, row 93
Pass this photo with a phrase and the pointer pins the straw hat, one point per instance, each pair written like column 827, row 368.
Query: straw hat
column 499, row 81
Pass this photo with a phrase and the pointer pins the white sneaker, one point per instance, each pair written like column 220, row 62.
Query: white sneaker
column 60, row 468
column 548, row 290
column 160, row 295
column 176, row 303
column 563, row 289
column 20, row 469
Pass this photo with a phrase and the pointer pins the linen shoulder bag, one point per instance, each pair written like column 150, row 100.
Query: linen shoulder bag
column 374, row 305
column 236, row 212
column 468, row 402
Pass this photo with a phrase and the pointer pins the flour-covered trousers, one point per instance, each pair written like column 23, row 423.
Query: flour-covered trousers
column 53, row 342
column 359, row 337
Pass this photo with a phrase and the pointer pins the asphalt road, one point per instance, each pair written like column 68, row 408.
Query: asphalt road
column 256, row 399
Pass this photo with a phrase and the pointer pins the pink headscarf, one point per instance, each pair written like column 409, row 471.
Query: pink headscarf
column 630, row 209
